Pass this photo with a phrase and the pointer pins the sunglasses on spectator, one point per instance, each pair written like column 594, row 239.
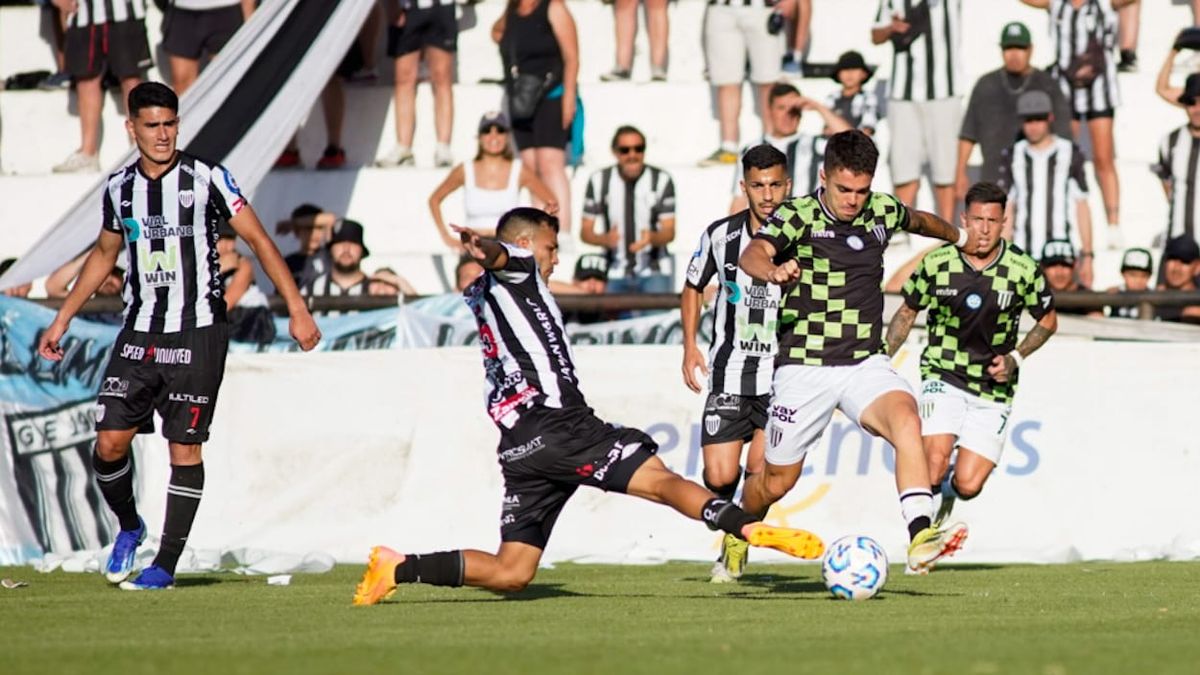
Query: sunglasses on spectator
column 1037, row 118
column 626, row 149
column 493, row 128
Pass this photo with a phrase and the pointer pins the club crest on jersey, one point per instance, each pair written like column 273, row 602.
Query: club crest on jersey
column 855, row 242
column 187, row 198
column 712, row 424
column 974, row 301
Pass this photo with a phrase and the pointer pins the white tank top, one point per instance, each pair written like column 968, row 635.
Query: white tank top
column 484, row 207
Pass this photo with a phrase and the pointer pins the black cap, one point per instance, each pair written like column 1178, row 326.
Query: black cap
column 1138, row 260
column 1058, row 252
column 348, row 230
column 849, row 60
column 1182, row 248
column 591, row 266
column 1191, row 89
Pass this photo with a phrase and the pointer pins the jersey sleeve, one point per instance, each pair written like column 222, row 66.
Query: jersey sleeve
column 870, row 111
column 520, row 266
column 782, row 229
column 109, row 219
column 665, row 208
column 225, row 194
column 702, row 267
column 1038, row 298
column 1163, row 167
column 1078, row 179
column 591, row 198
column 916, row 289
column 897, row 215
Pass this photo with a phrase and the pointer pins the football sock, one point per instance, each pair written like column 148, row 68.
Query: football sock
column 444, row 568
column 916, row 505
column 722, row 514
column 947, row 487
column 183, row 498
column 115, row 480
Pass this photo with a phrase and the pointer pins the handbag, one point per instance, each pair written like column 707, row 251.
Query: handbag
column 1084, row 68
column 525, row 91
column 919, row 24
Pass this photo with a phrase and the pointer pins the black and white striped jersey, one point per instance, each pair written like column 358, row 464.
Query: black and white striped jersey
column 1177, row 160
column 98, row 12
column 861, row 110
column 743, row 3
column 631, row 207
column 323, row 285
column 1044, row 188
column 173, row 280
column 931, row 67
column 805, row 156
column 1071, row 31
column 526, row 353
column 742, row 354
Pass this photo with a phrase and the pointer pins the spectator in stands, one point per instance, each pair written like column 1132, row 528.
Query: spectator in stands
column 21, row 291
column 311, row 226
column 59, row 283
column 422, row 30
column 991, row 119
column 860, row 108
column 734, row 33
column 1129, row 22
column 1136, row 268
column 1181, row 265
column 539, row 47
column 345, row 275
column 1047, row 189
column 1084, row 34
column 798, row 34
column 926, row 89
column 1058, row 264
column 467, row 270
column 805, row 152
column 249, row 312
column 60, row 78
column 101, row 37
column 636, row 204
column 591, row 278
column 385, row 281
column 1178, row 155
column 491, row 183
column 625, row 20
column 196, row 29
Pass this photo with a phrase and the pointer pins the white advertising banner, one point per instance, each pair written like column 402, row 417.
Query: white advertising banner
column 339, row 451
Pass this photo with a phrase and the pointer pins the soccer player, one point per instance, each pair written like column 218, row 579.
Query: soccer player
column 970, row 367
column 550, row 440
column 830, row 248
column 169, row 358
column 742, row 352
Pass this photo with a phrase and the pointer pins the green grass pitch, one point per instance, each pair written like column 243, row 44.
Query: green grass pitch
column 970, row 619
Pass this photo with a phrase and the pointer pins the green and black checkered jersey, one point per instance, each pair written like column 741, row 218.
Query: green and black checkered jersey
column 974, row 314
column 834, row 315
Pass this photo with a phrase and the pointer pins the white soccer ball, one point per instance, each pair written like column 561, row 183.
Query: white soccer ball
column 855, row 568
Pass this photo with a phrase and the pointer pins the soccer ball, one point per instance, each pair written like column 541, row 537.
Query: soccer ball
column 855, row 568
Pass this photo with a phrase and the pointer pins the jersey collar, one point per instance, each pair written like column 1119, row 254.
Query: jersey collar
column 966, row 261
column 142, row 173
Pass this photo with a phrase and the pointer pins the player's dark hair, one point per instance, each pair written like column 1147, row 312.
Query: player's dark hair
column 521, row 220
column 152, row 95
column 763, row 157
column 305, row 210
column 780, row 89
column 986, row 193
column 852, row 150
column 627, row 129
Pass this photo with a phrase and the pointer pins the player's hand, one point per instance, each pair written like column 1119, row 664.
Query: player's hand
column 786, row 273
column 470, row 241
column 973, row 244
column 642, row 242
column 48, row 345
column 1003, row 367
column 612, row 238
column 304, row 330
column 551, row 208
column 568, row 111
column 693, row 358
column 899, row 25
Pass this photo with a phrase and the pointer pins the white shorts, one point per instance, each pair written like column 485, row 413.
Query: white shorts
column 978, row 424
column 731, row 35
column 924, row 131
column 803, row 399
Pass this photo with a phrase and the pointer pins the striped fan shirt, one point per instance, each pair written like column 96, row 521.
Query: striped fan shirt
column 526, row 353
column 1071, row 30
column 631, row 207
column 1044, row 188
column 98, row 12
column 860, row 110
column 745, row 314
column 1177, row 160
column 931, row 68
column 173, row 280
column 805, row 155
column 743, row 3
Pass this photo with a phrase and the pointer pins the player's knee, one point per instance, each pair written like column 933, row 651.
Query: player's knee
column 722, row 481
column 109, row 450
column 777, row 485
column 968, row 487
column 513, row 580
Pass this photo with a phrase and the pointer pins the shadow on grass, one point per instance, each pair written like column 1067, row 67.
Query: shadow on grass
column 968, row 567
column 200, row 582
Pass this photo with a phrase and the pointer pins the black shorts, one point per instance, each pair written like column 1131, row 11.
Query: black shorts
column 544, row 462
column 120, row 48
column 545, row 129
column 430, row 27
column 729, row 417
column 190, row 33
column 1095, row 114
column 176, row 374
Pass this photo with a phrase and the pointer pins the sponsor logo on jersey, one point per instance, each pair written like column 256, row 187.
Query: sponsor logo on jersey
column 114, row 387
column 946, row 292
column 522, row 451
column 722, row 402
column 187, row 198
column 187, row 398
column 733, row 292
column 756, row 338
column 783, row 413
column 168, row 357
column 133, row 229
column 760, row 297
column 728, row 238
column 880, row 233
column 159, row 268
column 823, row 234
column 618, row 452
column 132, row 352
column 505, row 411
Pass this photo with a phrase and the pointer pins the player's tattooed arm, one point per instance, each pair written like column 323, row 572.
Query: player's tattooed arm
column 487, row 252
column 1003, row 367
column 930, row 225
column 899, row 328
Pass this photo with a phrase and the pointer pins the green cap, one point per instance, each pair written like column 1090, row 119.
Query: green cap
column 1015, row 34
